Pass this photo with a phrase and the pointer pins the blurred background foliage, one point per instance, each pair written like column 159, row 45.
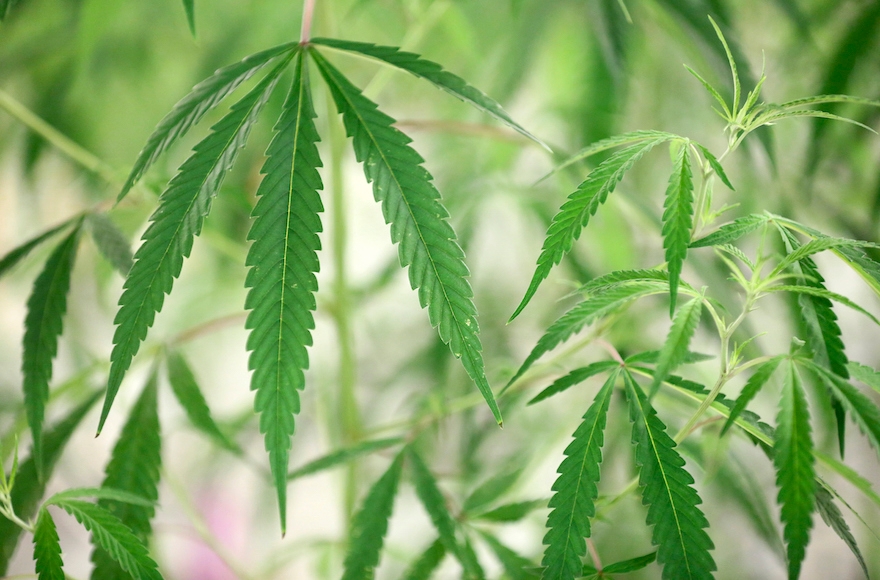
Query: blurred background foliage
column 103, row 72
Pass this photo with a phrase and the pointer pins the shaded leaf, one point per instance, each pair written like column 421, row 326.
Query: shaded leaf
column 434, row 73
column 517, row 567
column 178, row 219
column 370, row 524
column 283, row 260
column 574, row 215
column 343, row 455
column 573, row 503
column 426, row 563
column 188, row 111
column 593, row 308
column 412, row 206
column 16, row 255
column 512, row 512
column 189, row 395
column 851, row 475
column 679, row 525
column 675, row 347
column 678, row 217
column 730, row 232
column 490, row 490
column 631, row 565
column 864, row 374
column 112, row 535
column 112, row 244
column 43, row 325
column 795, row 474
column 134, row 468
column 758, row 379
column 834, row 519
column 47, row 549
column 575, row 377
column 29, row 489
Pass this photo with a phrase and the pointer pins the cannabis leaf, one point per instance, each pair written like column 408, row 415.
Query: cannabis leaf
column 343, row 455
column 572, row 504
column 864, row 412
column 732, row 231
column 189, row 8
column 110, row 241
column 370, row 524
column 412, row 206
column 16, row 255
column 283, row 260
column 795, row 475
column 423, row 567
column 169, row 238
column 582, row 204
column 683, row 544
column 515, row 566
column 575, row 377
column 134, row 468
column 834, row 519
column 205, row 96
column 43, row 325
column 189, row 395
column 433, row 73
column 678, row 217
column 622, row 567
column 758, row 379
column 610, row 143
column 47, row 549
column 675, row 347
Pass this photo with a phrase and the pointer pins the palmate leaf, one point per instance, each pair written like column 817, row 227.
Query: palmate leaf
column 594, row 307
column 29, row 489
column 113, row 536
column 370, row 524
column 433, row 73
column 679, row 525
column 110, row 241
column 189, row 395
column 134, row 468
column 188, row 111
column 47, row 549
column 575, row 377
column 43, row 325
column 582, row 204
column 16, row 255
column 343, row 456
column 755, row 383
column 412, row 206
column 572, row 504
column 678, row 217
column 834, row 519
column 731, row 232
column 675, row 347
column 177, row 220
column 283, row 260
column 795, row 474
column 426, row 563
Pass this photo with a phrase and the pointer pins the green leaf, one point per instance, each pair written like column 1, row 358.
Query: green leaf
column 865, row 374
column 512, row 512
column 815, row 246
column 189, row 7
column 715, row 165
column 678, row 217
column 178, row 219
column 412, row 206
column 574, row 215
column 490, row 490
column 631, row 565
column 434, row 73
column 573, row 503
column 112, row 244
column 283, row 260
column 516, row 566
column 795, row 474
column 826, row 99
column 47, row 549
column 823, row 293
column 17, row 254
column 343, row 455
column 758, row 379
column 108, row 493
column 725, row 109
column 614, row 278
column 426, row 563
column 584, row 313
column 370, row 524
column 851, row 475
column 834, row 519
column 188, row 111
column 675, row 348
column 29, row 489
column 112, row 535
column 43, row 325
column 134, row 468
column 730, row 232
column 189, row 395
column 679, row 525
column 575, row 377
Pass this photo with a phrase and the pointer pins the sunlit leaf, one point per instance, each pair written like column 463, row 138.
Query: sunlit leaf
column 411, row 204
column 834, row 519
column 47, row 549
column 575, row 377
column 730, row 232
column 675, row 347
column 112, row 244
column 43, row 325
column 678, row 217
column 16, row 255
column 343, row 456
column 758, row 379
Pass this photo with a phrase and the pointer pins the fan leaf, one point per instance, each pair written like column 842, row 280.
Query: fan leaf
column 795, row 474
column 678, row 218
column 715, row 165
column 370, row 524
column 434, row 73
column 582, row 204
column 834, row 519
column 47, row 549
column 515, row 566
column 675, row 348
column 178, row 219
column 730, row 232
column 190, row 9
column 16, row 255
column 283, row 260
column 755, row 383
column 412, row 206
column 610, row 143
column 575, row 377
column 43, row 325
column 343, row 456
column 112, row 244
column 573, row 503
column 679, row 525
column 426, row 563
column 188, row 111
column 134, row 468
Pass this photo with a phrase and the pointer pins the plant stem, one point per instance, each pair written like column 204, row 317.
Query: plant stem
column 308, row 10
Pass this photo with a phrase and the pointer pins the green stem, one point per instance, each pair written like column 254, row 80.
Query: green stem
column 308, row 10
